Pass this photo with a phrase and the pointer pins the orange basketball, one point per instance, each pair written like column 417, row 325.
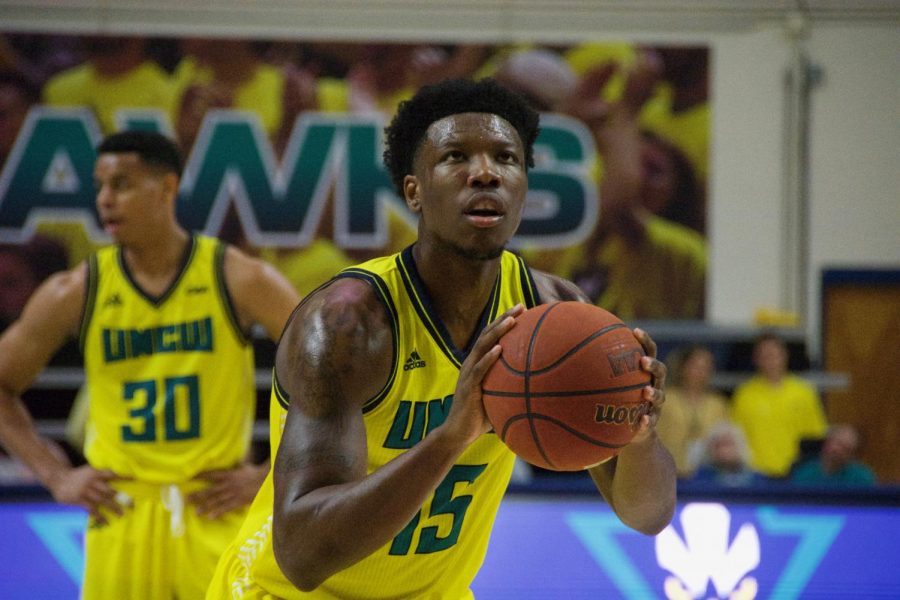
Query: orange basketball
column 565, row 393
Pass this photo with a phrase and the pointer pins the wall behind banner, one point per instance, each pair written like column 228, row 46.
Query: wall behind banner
column 283, row 140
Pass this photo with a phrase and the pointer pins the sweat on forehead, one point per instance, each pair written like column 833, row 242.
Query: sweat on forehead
column 453, row 127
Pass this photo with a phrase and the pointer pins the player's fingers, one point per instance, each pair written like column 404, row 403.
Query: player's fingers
column 200, row 497
column 657, row 370
column 212, row 474
column 99, row 489
column 646, row 341
column 655, row 396
column 495, row 330
column 216, row 503
column 491, row 335
column 96, row 517
column 224, row 505
column 98, row 499
column 480, row 369
column 513, row 312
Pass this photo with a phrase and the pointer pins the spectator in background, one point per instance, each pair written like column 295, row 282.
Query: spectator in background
column 681, row 112
column 836, row 464
column 219, row 73
column 776, row 409
column 23, row 267
column 725, row 458
column 17, row 96
column 116, row 74
column 692, row 408
column 38, row 56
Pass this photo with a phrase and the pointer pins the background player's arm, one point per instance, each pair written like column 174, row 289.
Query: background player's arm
column 260, row 295
column 51, row 317
column 335, row 355
column 639, row 483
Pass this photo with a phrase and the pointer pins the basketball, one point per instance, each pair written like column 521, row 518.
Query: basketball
column 565, row 393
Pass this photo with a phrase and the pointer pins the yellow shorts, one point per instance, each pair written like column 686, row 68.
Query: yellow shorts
column 159, row 549
column 231, row 579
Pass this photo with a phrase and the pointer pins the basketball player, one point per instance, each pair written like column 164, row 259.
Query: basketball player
column 387, row 477
column 162, row 318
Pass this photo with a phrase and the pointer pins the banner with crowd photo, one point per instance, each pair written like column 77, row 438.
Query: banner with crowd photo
column 283, row 139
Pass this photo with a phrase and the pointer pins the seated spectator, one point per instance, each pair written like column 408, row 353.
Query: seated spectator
column 776, row 409
column 725, row 458
column 836, row 464
column 692, row 408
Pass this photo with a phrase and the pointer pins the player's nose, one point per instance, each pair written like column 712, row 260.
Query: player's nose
column 483, row 171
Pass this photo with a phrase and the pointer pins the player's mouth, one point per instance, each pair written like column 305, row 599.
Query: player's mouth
column 111, row 226
column 485, row 212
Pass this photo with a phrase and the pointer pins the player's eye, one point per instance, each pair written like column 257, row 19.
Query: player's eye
column 508, row 157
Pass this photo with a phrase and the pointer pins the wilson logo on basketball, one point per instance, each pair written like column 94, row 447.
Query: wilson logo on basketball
column 616, row 415
column 624, row 362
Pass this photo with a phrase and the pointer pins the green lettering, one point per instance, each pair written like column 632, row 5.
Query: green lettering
column 113, row 345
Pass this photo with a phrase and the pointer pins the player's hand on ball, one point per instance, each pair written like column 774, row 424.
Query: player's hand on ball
column 467, row 418
column 655, row 393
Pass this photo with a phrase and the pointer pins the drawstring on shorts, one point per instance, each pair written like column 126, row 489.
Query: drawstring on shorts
column 173, row 501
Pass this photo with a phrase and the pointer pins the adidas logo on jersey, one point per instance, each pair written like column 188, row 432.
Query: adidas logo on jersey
column 413, row 362
column 113, row 300
column 197, row 290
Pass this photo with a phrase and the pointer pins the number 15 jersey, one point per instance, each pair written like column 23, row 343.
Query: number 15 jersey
column 439, row 552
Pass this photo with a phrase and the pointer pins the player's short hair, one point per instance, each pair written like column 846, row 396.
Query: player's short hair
column 155, row 149
column 452, row 97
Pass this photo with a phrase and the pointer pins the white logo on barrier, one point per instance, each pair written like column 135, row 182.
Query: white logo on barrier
column 705, row 554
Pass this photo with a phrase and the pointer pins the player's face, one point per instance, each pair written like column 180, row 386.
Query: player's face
column 469, row 184
column 131, row 197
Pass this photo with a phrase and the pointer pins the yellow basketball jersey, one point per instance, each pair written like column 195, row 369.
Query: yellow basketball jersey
column 170, row 379
column 439, row 552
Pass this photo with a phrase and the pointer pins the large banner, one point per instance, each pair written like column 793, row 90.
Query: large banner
column 283, row 145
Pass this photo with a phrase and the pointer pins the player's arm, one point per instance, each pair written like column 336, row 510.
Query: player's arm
column 335, row 355
column 639, row 483
column 51, row 317
column 261, row 294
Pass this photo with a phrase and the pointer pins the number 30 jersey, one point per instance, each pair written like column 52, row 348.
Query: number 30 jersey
column 439, row 552
column 170, row 379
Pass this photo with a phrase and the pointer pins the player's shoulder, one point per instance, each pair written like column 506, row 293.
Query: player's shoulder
column 345, row 300
column 243, row 270
column 66, row 286
column 342, row 322
column 59, row 301
column 553, row 287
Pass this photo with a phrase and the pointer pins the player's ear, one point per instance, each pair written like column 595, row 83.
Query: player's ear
column 170, row 185
column 411, row 193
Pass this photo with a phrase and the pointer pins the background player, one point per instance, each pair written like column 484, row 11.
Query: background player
column 162, row 318
column 387, row 478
